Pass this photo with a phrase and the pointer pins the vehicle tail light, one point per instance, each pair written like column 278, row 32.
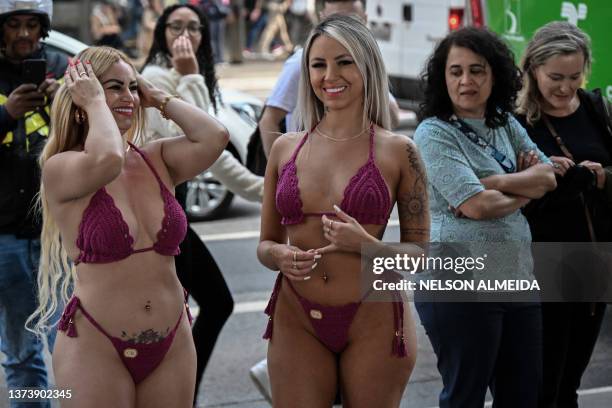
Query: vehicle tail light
column 455, row 18
column 477, row 15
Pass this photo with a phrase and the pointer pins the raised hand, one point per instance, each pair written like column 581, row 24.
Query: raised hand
column 150, row 95
column 83, row 85
column 183, row 56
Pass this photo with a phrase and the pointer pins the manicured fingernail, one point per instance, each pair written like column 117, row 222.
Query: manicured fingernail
column 337, row 208
column 314, row 266
column 318, row 256
column 307, row 277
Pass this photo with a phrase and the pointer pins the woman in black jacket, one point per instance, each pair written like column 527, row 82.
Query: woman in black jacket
column 572, row 127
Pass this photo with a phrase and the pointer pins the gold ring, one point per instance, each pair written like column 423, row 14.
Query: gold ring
column 294, row 257
column 331, row 224
column 294, row 266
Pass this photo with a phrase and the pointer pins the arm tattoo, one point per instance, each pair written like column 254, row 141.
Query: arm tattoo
column 145, row 337
column 413, row 205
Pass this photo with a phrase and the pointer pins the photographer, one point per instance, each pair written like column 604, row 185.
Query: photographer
column 24, row 126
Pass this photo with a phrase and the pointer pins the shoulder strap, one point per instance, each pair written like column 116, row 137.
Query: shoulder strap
column 557, row 138
column 146, row 159
column 372, row 154
column 569, row 155
column 471, row 134
column 299, row 146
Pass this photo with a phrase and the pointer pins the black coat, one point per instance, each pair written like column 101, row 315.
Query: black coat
column 21, row 142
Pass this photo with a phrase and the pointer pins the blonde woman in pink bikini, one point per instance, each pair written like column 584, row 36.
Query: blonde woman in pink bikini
column 328, row 189
column 109, row 206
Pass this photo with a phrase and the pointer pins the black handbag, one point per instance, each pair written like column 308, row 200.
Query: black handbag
column 256, row 160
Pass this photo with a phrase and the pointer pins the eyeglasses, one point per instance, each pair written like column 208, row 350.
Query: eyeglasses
column 192, row 28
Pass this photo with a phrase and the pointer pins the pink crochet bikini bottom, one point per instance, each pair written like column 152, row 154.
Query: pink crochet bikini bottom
column 332, row 323
column 140, row 359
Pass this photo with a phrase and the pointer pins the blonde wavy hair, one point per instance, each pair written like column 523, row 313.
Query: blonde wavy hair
column 555, row 38
column 353, row 35
column 56, row 272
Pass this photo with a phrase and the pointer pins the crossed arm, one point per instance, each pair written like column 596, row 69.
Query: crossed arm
column 506, row 193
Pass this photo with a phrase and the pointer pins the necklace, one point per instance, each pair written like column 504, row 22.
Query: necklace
column 335, row 139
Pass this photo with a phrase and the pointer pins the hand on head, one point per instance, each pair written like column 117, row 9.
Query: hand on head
column 83, row 85
column 150, row 95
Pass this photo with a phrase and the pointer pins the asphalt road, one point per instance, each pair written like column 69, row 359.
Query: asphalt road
column 233, row 241
column 227, row 383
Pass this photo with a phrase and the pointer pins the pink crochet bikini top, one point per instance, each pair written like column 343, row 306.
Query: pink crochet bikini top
column 104, row 235
column 366, row 197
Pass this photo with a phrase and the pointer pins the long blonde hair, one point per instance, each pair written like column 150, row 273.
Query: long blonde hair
column 555, row 38
column 353, row 35
column 56, row 272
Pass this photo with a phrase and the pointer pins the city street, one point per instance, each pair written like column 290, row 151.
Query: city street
column 227, row 382
column 233, row 242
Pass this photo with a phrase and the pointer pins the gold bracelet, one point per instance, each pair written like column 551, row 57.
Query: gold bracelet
column 162, row 107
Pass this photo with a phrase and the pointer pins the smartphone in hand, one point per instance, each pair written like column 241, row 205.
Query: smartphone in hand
column 34, row 71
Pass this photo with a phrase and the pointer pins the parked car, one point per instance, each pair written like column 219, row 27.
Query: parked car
column 207, row 198
column 408, row 30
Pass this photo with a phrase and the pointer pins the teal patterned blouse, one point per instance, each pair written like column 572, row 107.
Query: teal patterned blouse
column 454, row 166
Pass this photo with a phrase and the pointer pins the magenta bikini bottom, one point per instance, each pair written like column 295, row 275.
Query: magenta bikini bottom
column 140, row 359
column 332, row 323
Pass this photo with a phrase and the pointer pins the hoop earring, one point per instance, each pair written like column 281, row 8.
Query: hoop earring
column 80, row 117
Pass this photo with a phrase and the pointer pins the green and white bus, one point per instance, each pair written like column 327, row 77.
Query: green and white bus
column 407, row 31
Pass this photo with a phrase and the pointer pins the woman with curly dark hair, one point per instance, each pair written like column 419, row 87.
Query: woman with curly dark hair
column 482, row 168
column 181, row 63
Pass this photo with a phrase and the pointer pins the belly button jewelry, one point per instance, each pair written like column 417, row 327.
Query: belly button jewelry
column 148, row 306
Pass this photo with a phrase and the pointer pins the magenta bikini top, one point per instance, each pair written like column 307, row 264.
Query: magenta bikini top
column 366, row 197
column 104, row 235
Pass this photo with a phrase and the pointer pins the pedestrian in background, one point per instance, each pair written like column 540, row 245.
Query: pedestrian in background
column 482, row 169
column 105, row 28
column 24, row 127
column 257, row 18
column 276, row 25
column 574, row 128
column 152, row 11
column 300, row 18
column 321, row 328
column 120, row 225
column 216, row 11
column 181, row 63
